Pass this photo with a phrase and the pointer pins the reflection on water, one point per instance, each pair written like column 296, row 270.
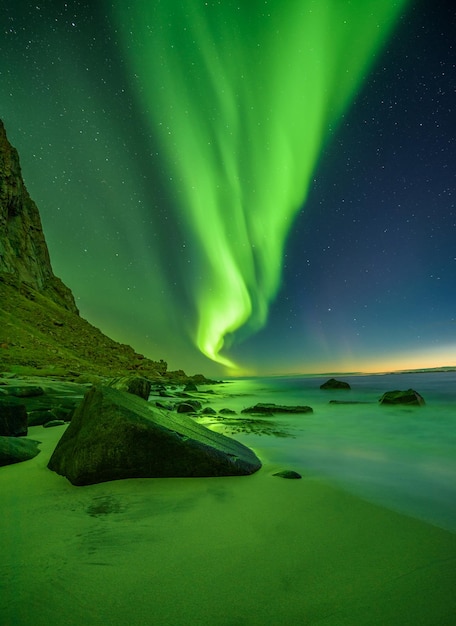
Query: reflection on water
column 401, row 457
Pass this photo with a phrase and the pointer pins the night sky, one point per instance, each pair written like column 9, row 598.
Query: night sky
column 277, row 177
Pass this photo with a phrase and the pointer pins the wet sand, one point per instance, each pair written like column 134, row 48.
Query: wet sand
column 220, row 551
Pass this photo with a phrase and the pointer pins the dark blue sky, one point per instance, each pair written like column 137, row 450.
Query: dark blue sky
column 370, row 267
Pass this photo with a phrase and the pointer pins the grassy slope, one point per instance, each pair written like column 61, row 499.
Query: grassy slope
column 37, row 334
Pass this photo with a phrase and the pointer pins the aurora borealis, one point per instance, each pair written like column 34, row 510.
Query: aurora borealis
column 211, row 172
column 242, row 101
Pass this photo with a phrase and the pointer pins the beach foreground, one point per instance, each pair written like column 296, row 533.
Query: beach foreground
column 239, row 551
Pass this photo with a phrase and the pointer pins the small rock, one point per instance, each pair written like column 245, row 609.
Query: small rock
column 208, row 411
column 409, row 397
column 53, row 423
column 185, row 407
column 288, row 474
column 190, row 387
column 332, row 383
column 188, row 407
column 270, row 408
column 38, row 417
column 348, row 402
column 227, row 412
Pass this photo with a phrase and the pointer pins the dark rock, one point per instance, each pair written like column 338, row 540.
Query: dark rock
column 132, row 384
column 208, row 411
column 14, row 450
column 115, row 435
column 39, row 417
column 269, row 409
column 13, row 419
column 190, row 387
column 348, row 402
column 227, row 412
column 288, row 474
column 64, row 411
column 189, row 406
column 25, row 391
column 185, row 407
column 408, row 397
column 53, row 423
column 332, row 383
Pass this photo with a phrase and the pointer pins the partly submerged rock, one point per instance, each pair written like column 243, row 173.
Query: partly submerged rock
column 288, row 474
column 349, row 402
column 332, row 383
column 115, row 435
column 409, row 397
column 189, row 406
column 13, row 450
column 270, row 408
column 208, row 410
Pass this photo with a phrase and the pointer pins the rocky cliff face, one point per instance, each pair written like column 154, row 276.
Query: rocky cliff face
column 41, row 330
column 24, row 254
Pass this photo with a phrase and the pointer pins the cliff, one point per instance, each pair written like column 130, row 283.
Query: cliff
column 40, row 327
column 23, row 251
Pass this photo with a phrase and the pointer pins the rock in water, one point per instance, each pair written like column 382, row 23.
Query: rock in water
column 288, row 474
column 332, row 383
column 115, row 435
column 408, row 397
column 263, row 408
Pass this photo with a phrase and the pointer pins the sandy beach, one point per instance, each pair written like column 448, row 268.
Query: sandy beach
column 223, row 551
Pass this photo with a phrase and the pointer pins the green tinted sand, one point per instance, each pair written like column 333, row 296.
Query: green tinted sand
column 221, row 551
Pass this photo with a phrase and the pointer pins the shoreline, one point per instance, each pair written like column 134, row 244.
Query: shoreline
column 236, row 550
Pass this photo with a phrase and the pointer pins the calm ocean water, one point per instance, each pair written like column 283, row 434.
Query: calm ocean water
column 402, row 458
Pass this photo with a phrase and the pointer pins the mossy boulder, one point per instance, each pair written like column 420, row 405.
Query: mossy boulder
column 114, row 435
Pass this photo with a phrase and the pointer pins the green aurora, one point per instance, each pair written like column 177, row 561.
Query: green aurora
column 242, row 97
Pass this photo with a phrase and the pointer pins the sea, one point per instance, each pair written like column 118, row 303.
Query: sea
column 400, row 457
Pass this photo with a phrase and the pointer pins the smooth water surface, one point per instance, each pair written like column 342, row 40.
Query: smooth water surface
column 401, row 457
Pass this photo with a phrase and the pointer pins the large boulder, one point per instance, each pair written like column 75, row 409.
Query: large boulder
column 333, row 383
column 13, row 418
column 409, row 397
column 13, row 450
column 115, row 435
column 263, row 408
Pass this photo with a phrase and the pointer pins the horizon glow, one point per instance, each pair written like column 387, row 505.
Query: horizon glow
column 241, row 100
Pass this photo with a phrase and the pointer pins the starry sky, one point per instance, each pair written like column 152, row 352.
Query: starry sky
column 263, row 187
